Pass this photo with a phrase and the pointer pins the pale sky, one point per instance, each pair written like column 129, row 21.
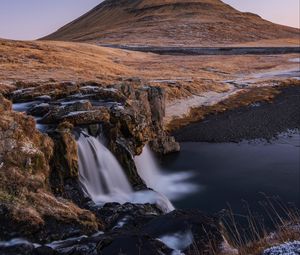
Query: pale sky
column 32, row 19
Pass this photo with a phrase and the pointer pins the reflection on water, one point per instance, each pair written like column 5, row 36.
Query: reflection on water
column 233, row 172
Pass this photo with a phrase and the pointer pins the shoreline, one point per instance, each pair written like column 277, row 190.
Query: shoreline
column 196, row 51
column 258, row 120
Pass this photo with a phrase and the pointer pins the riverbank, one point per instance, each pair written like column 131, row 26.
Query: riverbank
column 215, row 51
column 258, row 120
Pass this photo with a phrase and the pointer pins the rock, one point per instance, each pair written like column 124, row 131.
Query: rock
column 58, row 112
column 165, row 145
column 124, row 156
column 77, row 113
column 101, row 114
column 156, row 98
column 127, row 216
column 44, row 250
column 39, row 109
column 64, row 165
column 100, row 93
column 134, row 245
column 204, row 229
column 16, row 247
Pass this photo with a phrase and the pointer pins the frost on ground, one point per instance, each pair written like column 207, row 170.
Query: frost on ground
column 290, row 248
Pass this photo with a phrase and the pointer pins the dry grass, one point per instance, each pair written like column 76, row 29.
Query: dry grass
column 36, row 63
column 255, row 238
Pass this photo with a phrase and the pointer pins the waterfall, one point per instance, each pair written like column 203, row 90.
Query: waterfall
column 101, row 175
column 103, row 180
column 174, row 186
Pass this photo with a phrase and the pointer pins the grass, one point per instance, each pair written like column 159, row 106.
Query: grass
column 43, row 63
column 258, row 235
column 255, row 235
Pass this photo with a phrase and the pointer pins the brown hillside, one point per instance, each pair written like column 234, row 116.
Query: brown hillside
column 170, row 22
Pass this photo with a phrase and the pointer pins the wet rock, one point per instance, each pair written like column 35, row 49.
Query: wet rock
column 39, row 109
column 44, row 98
column 77, row 113
column 16, row 247
column 127, row 216
column 124, row 156
column 134, row 245
column 64, row 165
column 29, row 92
column 44, row 250
column 204, row 229
column 58, row 112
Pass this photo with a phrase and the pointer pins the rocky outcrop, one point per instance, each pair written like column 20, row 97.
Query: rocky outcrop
column 28, row 208
column 129, row 118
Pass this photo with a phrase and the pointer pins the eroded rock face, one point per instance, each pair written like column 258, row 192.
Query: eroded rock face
column 130, row 118
column 27, row 206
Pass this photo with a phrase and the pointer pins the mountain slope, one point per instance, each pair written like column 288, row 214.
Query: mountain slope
column 170, row 22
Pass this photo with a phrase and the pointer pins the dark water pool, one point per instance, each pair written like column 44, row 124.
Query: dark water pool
column 230, row 172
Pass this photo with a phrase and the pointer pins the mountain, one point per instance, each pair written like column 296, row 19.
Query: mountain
column 171, row 23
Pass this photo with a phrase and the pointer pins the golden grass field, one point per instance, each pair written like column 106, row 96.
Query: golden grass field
column 181, row 76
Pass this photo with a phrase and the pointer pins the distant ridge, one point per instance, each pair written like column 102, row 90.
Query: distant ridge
column 170, row 23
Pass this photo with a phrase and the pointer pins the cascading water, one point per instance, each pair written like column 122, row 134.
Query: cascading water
column 101, row 175
column 103, row 179
column 173, row 186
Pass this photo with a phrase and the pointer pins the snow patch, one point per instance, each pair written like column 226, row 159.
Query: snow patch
column 289, row 248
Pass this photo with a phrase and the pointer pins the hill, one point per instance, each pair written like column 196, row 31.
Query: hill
column 171, row 23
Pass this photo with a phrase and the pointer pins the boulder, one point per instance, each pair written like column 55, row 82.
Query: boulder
column 126, row 217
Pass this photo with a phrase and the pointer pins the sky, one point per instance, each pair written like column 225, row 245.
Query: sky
column 32, row 19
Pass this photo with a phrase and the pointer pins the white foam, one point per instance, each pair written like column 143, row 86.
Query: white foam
column 178, row 241
column 104, row 180
column 173, row 186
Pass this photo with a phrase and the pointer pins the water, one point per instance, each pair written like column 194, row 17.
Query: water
column 24, row 107
column 175, row 186
column 230, row 173
column 103, row 179
column 101, row 175
column 178, row 241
